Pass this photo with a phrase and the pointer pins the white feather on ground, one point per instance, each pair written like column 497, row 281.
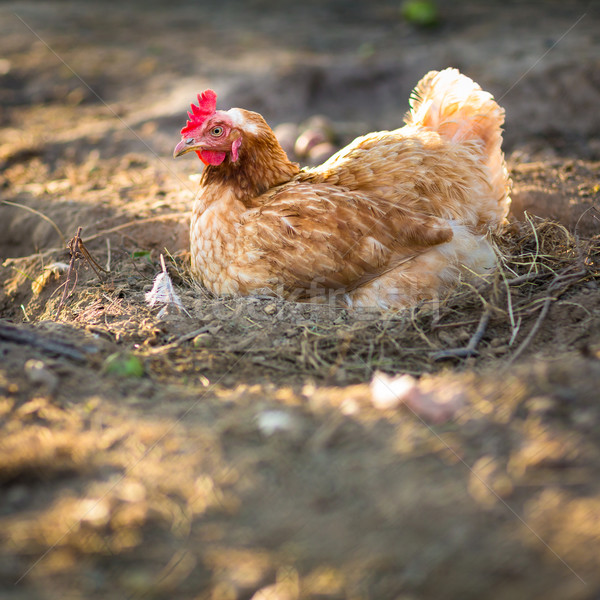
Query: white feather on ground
column 163, row 292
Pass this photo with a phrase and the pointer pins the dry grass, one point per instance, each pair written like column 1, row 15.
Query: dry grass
column 496, row 318
column 539, row 262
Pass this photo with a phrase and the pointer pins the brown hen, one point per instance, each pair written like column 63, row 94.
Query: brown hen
column 393, row 218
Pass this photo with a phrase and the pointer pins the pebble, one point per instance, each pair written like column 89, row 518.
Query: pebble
column 273, row 421
column 270, row 309
column 320, row 123
column 321, row 152
column 38, row 373
column 584, row 418
column 309, row 140
column 540, row 405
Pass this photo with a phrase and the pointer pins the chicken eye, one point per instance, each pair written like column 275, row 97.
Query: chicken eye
column 216, row 131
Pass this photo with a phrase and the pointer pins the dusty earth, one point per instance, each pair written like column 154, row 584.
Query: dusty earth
column 234, row 452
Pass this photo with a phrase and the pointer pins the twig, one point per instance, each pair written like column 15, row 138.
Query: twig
column 545, row 308
column 180, row 340
column 455, row 324
column 14, row 334
column 77, row 248
column 471, row 348
column 116, row 228
column 515, row 331
column 526, row 278
column 537, row 243
column 77, row 245
column 108, row 255
column 41, row 215
column 592, row 209
column 66, row 284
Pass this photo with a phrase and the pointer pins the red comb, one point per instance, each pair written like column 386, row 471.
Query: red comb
column 207, row 104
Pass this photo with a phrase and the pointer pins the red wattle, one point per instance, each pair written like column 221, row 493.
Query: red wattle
column 211, row 157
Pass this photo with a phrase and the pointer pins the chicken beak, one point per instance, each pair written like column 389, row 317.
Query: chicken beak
column 182, row 148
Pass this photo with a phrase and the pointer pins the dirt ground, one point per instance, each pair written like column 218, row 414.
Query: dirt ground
column 234, row 452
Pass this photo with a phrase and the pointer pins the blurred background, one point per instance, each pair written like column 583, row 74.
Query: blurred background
column 352, row 62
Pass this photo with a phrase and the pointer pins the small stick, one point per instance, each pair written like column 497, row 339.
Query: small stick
column 39, row 214
column 176, row 216
column 80, row 246
column 108, row 253
column 471, row 348
column 69, row 273
column 77, row 248
column 180, row 340
column 545, row 308
column 17, row 335
column 526, row 278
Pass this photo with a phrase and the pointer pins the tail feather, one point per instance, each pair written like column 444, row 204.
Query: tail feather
column 458, row 109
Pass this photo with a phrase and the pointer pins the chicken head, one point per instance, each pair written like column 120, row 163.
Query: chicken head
column 212, row 134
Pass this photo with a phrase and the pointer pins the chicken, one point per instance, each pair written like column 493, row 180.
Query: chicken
column 394, row 218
